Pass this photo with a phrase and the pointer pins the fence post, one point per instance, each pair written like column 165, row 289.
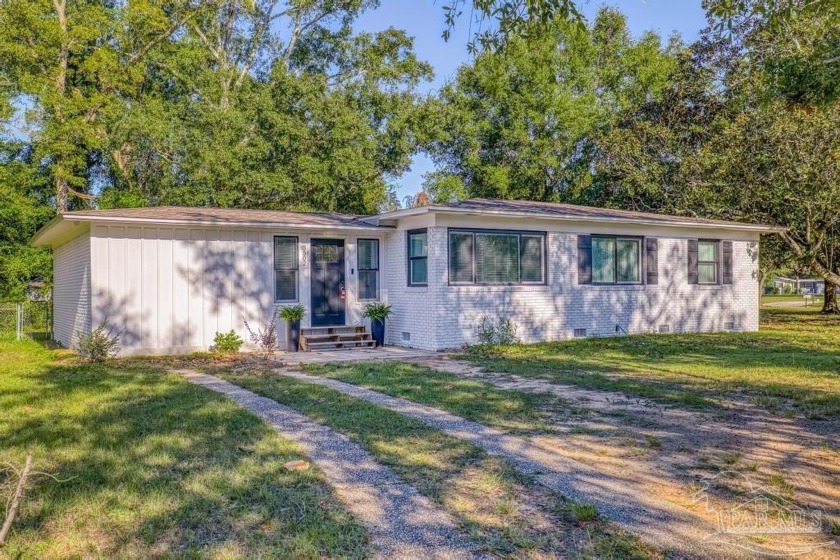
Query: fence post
column 19, row 324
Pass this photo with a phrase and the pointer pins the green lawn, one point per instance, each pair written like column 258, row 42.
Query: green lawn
column 505, row 513
column 792, row 365
column 146, row 464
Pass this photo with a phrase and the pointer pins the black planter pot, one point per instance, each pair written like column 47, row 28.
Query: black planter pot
column 292, row 336
column 377, row 329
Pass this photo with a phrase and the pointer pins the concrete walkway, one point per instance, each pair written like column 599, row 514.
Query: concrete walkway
column 386, row 353
column 658, row 522
column 402, row 523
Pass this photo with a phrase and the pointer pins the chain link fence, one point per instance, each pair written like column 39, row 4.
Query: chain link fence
column 32, row 319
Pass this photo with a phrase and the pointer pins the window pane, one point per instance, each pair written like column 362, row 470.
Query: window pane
column 531, row 248
column 285, row 285
column 285, row 252
column 417, row 244
column 326, row 254
column 368, row 280
column 707, row 251
column 460, row 257
column 628, row 254
column 707, row 273
column 603, row 260
column 368, row 254
column 418, row 271
column 496, row 258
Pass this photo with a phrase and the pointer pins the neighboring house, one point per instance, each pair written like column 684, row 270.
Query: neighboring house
column 170, row 278
column 814, row 286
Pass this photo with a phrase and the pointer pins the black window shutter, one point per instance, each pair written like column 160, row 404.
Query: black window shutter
column 692, row 261
column 652, row 260
column 584, row 259
column 726, row 261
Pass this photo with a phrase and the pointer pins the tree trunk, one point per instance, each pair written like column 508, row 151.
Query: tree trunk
column 830, row 306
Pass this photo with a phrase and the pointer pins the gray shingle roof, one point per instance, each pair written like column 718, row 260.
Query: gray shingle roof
column 572, row 211
column 223, row 216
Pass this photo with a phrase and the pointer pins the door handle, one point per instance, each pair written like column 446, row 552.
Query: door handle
column 342, row 292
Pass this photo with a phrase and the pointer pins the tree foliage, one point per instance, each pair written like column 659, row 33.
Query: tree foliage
column 24, row 207
column 221, row 102
column 520, row 121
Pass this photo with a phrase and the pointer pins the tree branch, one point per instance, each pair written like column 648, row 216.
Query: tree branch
column 13, row 507
column 133, row 59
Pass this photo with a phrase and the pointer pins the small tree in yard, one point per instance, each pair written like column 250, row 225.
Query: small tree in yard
column 98, row 345
column 227, row 343
column 264, row 337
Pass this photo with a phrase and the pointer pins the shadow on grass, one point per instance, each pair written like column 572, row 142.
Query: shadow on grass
column 148, row 465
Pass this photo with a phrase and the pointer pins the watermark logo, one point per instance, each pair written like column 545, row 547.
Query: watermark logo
column 763, row 521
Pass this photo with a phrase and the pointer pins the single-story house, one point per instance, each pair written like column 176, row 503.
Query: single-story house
column 170, row 278
column 813, row 286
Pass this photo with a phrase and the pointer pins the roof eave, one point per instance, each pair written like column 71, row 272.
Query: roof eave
column 760, row 228
column 225, row 223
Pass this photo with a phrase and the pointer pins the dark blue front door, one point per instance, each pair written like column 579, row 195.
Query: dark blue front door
column 328, row 294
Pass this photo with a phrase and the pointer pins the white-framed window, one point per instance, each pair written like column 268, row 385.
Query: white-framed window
column 367, row 253
column 285, row 268
column 708, row 261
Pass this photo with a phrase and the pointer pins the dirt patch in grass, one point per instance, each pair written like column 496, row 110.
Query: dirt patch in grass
column 506, row 513
column 707, row 458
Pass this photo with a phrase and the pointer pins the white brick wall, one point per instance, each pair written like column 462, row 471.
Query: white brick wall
column 443, row 316
column 414, row 319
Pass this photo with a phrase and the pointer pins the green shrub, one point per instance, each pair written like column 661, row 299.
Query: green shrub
column 293, row 313
column 98, row 345
column 227, row 343
column 492, row 333
column 377, row 311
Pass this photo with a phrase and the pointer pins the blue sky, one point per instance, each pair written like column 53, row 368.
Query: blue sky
column 423, row 19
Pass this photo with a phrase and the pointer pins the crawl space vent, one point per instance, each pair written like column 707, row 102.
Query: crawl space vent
column 580, row 333
column 729, row 326
column 406, row 336
column 664, row 328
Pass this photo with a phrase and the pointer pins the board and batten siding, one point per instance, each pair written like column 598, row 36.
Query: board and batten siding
column 72, row 290
column 169, row 290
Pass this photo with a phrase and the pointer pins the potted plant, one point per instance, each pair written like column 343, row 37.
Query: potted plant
column 292, row 314
column 377, row 312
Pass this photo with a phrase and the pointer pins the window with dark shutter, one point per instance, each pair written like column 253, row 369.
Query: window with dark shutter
column 708, row 261
column 652, row 261
column 285, row 269
column 496, row 257
column 615, row 260
column 692, row 261
column 584, row 259
column 368, row 265
column 726, row 262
